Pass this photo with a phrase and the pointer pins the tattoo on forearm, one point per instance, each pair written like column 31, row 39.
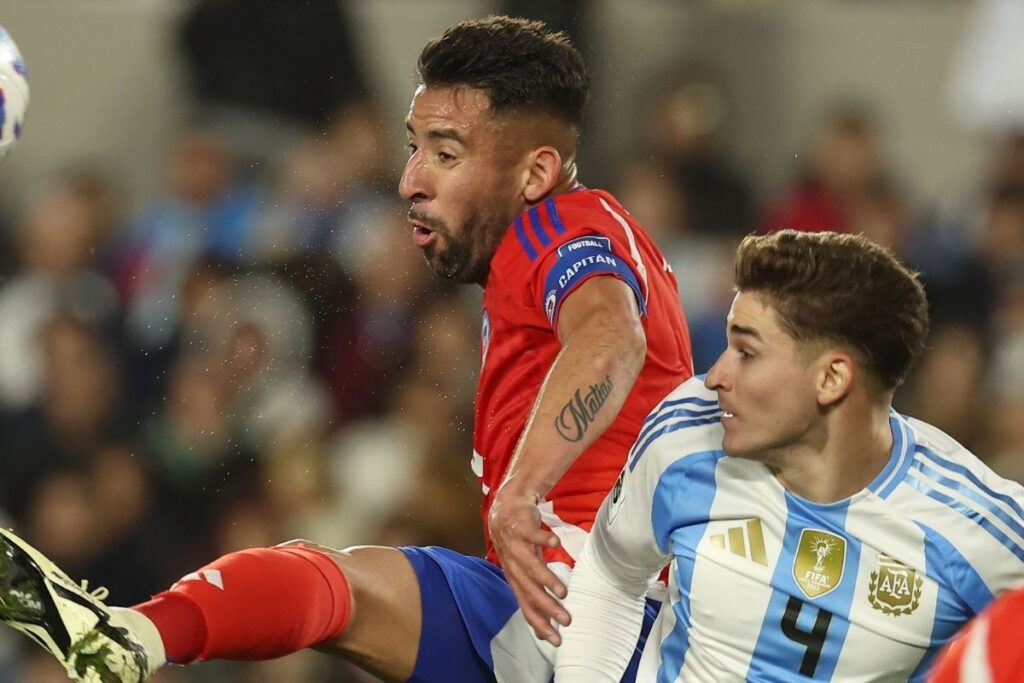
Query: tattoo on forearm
column 579, row 412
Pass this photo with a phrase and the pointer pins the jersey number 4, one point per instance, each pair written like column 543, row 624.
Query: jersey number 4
column 813, row 640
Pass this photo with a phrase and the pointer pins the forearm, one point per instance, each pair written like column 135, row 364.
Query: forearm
column 580, row 398
column 607, row 615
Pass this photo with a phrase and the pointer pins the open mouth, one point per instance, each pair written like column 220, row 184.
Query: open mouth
column 422, row 235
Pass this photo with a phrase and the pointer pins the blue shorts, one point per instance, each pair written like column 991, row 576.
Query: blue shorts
column 472, row 629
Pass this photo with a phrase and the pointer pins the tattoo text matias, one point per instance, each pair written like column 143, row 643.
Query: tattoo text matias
column 578, row 413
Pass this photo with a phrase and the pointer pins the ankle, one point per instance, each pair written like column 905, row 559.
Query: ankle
column 178, row 625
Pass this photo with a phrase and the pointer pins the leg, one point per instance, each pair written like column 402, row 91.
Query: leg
column 426, row 615
column 361, row 603
column 383, row 633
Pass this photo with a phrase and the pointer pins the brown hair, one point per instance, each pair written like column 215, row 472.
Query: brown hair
column 520, row 63
column 840, row 288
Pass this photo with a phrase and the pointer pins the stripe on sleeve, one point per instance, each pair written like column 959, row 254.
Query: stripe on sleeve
column 668, row 427
column 981, row 504
column 538, row 228
column 552, row 211
column 651, row 428
column 523, row 239
column 973, row 478
column 638, row 262
column 917, row 481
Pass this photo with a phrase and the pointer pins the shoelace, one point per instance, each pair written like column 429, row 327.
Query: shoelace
column 99, row 593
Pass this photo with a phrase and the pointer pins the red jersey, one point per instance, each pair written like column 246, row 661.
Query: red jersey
column 546, row 253
column 989, row 649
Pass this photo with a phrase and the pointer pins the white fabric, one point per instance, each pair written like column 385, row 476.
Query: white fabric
column 919, row 551
column 974, row 667
column 606, row 623
column 145, row 632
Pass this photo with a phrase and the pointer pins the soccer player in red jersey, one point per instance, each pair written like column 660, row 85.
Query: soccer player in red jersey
column 989, row 649
column 582, row 335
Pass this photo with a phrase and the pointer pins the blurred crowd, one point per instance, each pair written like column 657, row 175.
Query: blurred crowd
column 259, row 354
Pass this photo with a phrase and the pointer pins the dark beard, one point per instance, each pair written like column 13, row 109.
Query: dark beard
column 459, row 261
column 452, row 262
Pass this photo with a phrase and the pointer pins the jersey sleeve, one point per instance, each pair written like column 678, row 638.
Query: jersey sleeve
column 609, row 583
column 670, row 455
column 623, row 538
column 575, row 261
column 627, row 549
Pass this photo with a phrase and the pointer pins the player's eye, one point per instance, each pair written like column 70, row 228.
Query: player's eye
column 445, row 157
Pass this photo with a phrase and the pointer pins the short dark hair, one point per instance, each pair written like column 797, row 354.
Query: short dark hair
column 519, row 63
column 840, row 288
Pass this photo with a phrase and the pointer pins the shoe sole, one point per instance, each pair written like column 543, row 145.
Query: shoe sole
column 21, row 580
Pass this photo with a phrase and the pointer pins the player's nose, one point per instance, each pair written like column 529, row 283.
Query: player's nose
column 414, row 185
column 715, row 377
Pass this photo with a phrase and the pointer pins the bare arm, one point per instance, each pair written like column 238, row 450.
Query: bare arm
column 603, row 351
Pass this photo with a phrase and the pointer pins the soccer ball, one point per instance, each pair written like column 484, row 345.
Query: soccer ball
column 13, row 93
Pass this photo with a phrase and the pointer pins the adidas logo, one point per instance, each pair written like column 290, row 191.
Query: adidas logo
column 745, row 539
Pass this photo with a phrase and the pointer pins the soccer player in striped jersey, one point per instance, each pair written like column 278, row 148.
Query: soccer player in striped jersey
column 813, row 532
column 582, row 335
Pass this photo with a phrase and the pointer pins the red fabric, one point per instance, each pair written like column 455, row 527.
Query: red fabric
column 998, row 633
column 180, row 623
column 254, row 604
column 520, row 345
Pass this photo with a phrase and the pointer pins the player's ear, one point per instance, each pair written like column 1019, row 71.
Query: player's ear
column 541, row 173
column 835, row 377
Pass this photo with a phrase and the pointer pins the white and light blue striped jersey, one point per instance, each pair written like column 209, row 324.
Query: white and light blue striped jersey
column 767, row 586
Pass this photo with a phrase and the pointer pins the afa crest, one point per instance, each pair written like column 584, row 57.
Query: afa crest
column 894, row 588
column 819, row 562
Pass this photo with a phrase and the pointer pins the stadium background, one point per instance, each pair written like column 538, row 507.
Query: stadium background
column 215, row 333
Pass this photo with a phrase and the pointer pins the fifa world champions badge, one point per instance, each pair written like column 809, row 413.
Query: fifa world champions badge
column 819, row 562
column 893, row 587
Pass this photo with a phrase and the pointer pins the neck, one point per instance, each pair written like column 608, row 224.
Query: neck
column 842, row 459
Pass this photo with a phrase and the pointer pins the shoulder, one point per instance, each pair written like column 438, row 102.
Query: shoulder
column 556, row 228
column 589, row 210
column 679, row 449
column 945, row 471
column 973, row 517
column 684, row 428
column 940, row 459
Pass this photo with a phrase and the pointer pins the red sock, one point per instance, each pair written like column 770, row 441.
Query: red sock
column 254, row 604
